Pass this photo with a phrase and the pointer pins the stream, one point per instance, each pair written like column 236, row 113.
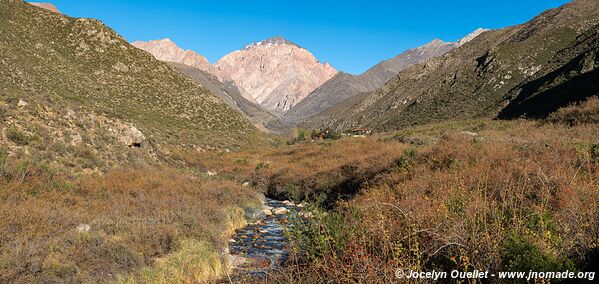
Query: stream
column 260, row 247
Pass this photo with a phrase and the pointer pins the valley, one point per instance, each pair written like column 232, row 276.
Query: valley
column 145, row 162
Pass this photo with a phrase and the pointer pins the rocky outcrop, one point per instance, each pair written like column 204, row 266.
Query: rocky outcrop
column 131, row 136
column 275, row 72
column 167, row 50
column 47, row 6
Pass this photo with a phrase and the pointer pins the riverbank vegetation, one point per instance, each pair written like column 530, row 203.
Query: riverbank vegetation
column 132, row 225
column 468, row 195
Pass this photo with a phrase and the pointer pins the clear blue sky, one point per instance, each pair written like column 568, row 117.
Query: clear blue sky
column 351, row 35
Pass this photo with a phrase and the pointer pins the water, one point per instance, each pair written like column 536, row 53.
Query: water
column 259, row 248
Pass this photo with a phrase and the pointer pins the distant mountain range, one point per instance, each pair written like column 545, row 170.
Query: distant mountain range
column 276, row 72
column 344, row 86
column 287, row 80
column 231, row 95
column 166, row 50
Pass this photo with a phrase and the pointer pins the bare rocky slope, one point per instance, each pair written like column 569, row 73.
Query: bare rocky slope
column 76, row 93
column 275, row 72
column 343, row 85
column 479, row 78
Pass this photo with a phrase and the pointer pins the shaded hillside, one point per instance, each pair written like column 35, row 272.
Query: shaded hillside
column 71, row 84
column 231, row 95
column 472, row 80
column 571, row 76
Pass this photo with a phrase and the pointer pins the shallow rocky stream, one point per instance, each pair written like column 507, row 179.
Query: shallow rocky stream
column 261, row 247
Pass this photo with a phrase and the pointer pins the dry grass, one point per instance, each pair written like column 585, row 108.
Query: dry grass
column 514, row 196
column 140, row 220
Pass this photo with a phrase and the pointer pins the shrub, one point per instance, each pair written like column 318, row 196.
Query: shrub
column 3, row 113
column 17, row 136
column 519, row 254
column 578, row 113
column 594, row 150
column 3, row 162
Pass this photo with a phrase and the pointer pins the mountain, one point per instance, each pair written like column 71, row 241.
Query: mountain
column 76, row 90
column 481, row 77
column 343, row 86
column 167, row 50
column 47, row 6
column 230, row 94
column 275, row 72
column 202, row 72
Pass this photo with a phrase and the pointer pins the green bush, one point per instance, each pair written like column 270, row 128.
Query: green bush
column 519, row 254
column 262, row 166
column 594, row 150
column 322, row 235
column 405, row 160
column 17, row 136
column 334, row 135
column 3, row 166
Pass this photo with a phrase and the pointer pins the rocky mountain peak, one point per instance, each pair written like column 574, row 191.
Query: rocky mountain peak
column 275, row 72
column 47, row 6
column 166, row 50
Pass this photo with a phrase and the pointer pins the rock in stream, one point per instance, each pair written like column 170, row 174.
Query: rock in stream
column 261, row 247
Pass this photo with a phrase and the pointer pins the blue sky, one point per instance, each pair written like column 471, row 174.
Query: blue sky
column 350, row 35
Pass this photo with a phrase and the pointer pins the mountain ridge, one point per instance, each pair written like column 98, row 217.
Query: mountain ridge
column 166, row 50
column 344, row 86
column 232, row 96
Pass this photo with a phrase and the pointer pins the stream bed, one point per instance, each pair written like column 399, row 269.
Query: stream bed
column 260, row 247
